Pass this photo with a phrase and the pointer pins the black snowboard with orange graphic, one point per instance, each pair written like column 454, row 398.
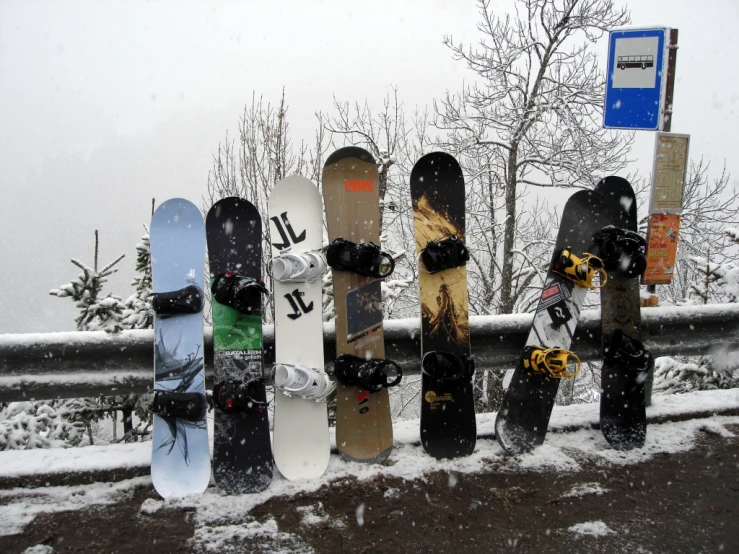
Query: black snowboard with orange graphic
column 448, row 427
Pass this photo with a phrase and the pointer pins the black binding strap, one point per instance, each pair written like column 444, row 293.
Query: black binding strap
column 444, row 254
column 184, row 405
column 627, row 352
column 370, row 375
column 364, row 258
column 622, row 251
column 445, row 366
column 184, row 301
column 237, row 291
column 233, row 396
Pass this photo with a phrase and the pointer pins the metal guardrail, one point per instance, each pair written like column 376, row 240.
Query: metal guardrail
column 78, row 364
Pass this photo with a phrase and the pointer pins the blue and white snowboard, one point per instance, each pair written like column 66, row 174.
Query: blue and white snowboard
column 180, row 461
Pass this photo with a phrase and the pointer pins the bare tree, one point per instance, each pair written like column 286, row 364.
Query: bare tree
column 396, row 140
column 263, row 155
column 533, row 113
column 710, row 206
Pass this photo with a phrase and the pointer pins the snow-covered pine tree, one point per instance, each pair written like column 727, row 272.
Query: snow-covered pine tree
column 27, row 425
column 708, row 275
column 716, row 282
column 680, row 374
column 138, row 313
column 96, row 314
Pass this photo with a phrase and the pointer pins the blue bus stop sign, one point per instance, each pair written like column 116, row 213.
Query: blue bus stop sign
column 637, row 74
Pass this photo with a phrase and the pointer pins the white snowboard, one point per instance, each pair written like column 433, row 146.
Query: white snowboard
column 301, row 444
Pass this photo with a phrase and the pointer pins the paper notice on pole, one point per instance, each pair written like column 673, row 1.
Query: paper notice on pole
column 662, row 249
column 668, row 177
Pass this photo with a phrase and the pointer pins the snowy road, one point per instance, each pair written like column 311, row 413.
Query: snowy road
column 684, row 457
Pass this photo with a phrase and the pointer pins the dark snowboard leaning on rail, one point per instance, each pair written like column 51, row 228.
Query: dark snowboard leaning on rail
column 626, row 362
column 242, row 453
column 523, row 419
column 180, row 461
column 448, row 427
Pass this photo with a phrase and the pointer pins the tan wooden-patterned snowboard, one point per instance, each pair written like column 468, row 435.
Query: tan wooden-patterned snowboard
column 351, row 198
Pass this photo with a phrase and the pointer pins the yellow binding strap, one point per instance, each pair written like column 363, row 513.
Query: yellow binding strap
column 551, row 362
column 581, row 271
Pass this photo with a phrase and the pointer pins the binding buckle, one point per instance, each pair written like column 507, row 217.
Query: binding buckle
column 443, row 254
column 233, row 396
column 622, row 251
column 580, row 271
column 367, row 374
column 188, row 300
column 445, row 366
column 297, row 268
column 306, row 382
column 628, row 352
column 365, row 258
column 190, row 406
column 241, row 293
column 551, row 362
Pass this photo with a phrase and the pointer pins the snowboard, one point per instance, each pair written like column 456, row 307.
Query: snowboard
column 522, row 421
column 351, row 198
column 242, row 453
column 448, row 427
column 301, row 441
column 180, row 460
column 623, row 418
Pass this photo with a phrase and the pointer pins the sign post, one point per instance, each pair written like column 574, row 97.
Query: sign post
column 637, row 79
column 665, row 206
column 639, row 90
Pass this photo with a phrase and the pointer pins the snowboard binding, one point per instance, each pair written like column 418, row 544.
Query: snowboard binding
column 551, row 362
column 232, row 289
column 367, row 374
column 184, row 301
column 190, row 406
column 364, row 258
column 580, row 271
column 624, row 351
column 623, row 251
column 298, row 268
column 306, row 382
column 445, row 366
column 443, row 254
column 233, row 396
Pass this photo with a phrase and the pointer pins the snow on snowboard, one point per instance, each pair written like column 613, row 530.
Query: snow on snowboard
column 242, row 453
column 364, row 431
column 180, row 463
column 626, row 362
column 448, row 428
column 301, row 441
column 597, row 247
column 523, row 418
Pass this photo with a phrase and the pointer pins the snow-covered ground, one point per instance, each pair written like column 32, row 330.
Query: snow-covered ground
column 408, row 461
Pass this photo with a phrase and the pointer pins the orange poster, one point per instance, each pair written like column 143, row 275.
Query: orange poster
column 661, row 249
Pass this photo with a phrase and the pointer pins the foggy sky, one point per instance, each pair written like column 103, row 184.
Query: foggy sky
column 104, row 105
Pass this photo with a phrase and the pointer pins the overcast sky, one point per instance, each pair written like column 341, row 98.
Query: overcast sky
column 104, row 105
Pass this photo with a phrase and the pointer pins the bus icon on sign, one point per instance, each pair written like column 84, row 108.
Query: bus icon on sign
column 644, row 62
